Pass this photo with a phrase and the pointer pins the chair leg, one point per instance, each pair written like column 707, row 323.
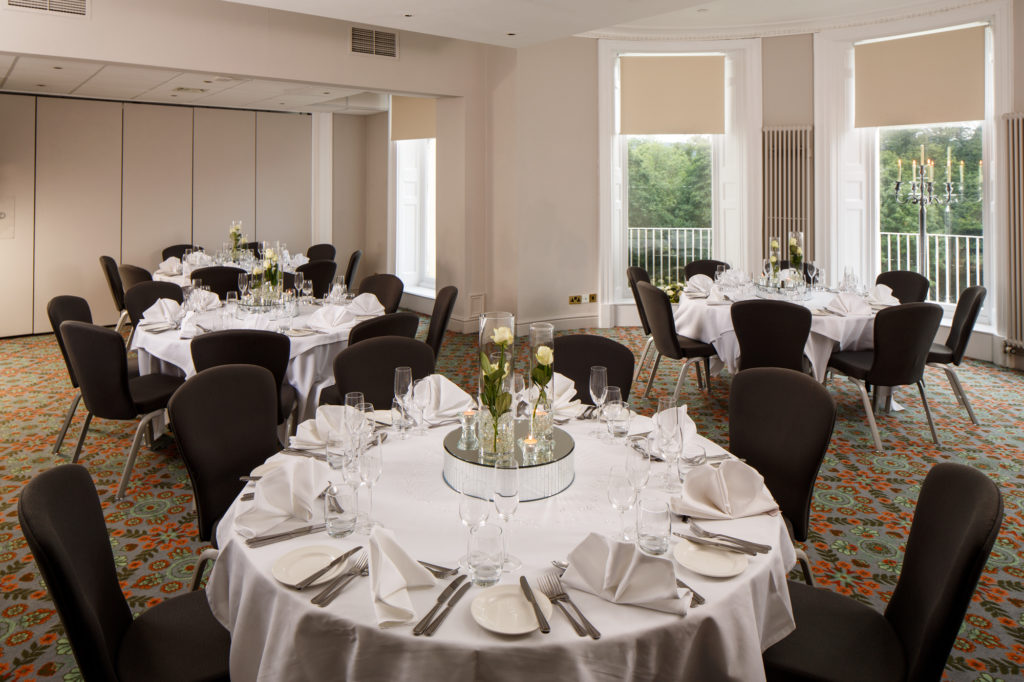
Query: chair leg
column 869, row 412
column 133, row 452
column 707, row 372
column 121, row 321
column 654, row 370
column 205, row 557
column 131, row 337
column 67, row 422
column 958, row 390
column 643, row 358
column 805, row 565
column 927, row 412
column 81, row 437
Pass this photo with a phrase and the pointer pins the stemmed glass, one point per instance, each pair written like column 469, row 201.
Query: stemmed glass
column 473, row 512
column 421, row 401
column 403, row 385
column 307, row 289
column 670, row 441
column 638, row 468
column 612, row 396
column 616, row 414
column 598, row 386
column 371, row 466
column 300, row 279
column 243, row 283
column 622, row 496
column 506, row 501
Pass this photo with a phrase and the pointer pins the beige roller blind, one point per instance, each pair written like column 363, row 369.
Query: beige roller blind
column 413, row 118
column 934, row 78
column 675, row 95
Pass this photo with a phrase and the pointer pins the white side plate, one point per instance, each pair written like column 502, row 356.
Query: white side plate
column 714, row 563
column 505, row 610
column 303, row 562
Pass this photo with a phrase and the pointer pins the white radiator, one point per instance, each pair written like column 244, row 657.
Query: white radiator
column 788, row 187
column 1015, row 215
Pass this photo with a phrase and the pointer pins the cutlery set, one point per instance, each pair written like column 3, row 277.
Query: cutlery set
column 728, row 543
column 551, row 586
column 264, row 540
column 334, row 588
column 425, row 623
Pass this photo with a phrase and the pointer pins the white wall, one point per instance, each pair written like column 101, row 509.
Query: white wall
column 17, row 202
column 349, row 183
column 284, row 167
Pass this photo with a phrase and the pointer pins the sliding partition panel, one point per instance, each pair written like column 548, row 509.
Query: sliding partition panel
column 78, row 203
column 157, row 190
column 224, row 175
column 284, row 177
column 17, row 205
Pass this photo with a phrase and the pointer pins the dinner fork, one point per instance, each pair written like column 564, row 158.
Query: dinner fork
column 439, row 572
column 753, row 546
column 560, row 594
column 549, row 590
column 334, row 588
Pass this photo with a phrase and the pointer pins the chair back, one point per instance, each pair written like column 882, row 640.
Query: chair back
column 369, row 367
column 252, row 246
column 387, row 288
column 132, row 275
column 109, row 266
column 906, row 285
column 140, row 297
column 225, row 423
column 177, row 251
column 259, row 347
column 320, row 273
column 903, row 337
column 703, row 267
column 659, row 315
column 781, row 422
column 635, row 274
column 957, row 519
column 62, row 521
column 575, row 354
column 220, row 278
column 444, row 304
column 61, row 308
column 321, row 252
column 771, row 333
column 353, row 268
column 100, row 361
column 392, row 324
column 968, row 307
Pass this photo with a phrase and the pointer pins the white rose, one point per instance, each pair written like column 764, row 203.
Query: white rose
column 545, row 355
column 270, row 254
column 773, row 259
column 502, row 336
column 799, row 251
column 775, row 243
column 258, row 270
column 792, row 241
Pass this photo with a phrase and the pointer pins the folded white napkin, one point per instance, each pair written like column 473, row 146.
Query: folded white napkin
column 848, row 304
column 330, row 317
column 730, row 490
column 312, row 434
column 716, row 296
column 203, row 300
column 336, row 294
column 620, row 573
column 392, row 573
column 699, row 284
column 189, row 327
column 286, row 493
column 163, row 310
column 446, row 400
column 171, row 266
column 564, row 402
column 686, row 426
column 199, row 259
column 882, row 295
column 296, row 260
column 733, row 278
column 365, row 304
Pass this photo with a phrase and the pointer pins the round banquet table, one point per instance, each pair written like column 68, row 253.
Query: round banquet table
column 277, row 634
column 696, row 319
column 310, row 361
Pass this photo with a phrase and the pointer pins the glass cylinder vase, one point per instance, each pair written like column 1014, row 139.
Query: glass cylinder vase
column 796, row 251
column 497, row 358
column 542, row 382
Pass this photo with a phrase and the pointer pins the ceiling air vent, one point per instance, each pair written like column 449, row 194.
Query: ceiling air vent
column 74, row 7
column 370, row 41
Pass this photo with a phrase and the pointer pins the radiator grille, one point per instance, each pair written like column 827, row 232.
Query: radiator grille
column 370, row 41
column 789, row 186
column 77, row 7
column 1015, row 211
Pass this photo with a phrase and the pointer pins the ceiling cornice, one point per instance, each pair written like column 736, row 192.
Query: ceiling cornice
column 781, row 28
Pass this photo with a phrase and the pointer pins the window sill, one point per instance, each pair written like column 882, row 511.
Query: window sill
column 422, row 292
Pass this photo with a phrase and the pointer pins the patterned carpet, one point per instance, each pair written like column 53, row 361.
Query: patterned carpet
column 863, row 503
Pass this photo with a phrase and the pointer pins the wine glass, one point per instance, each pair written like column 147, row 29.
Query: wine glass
column 669, row 437
column 366, row 427
column 299, row 280
column 243, row 283
column 421, row 401
column 638, row 468
column 307, row 288
column 371, row 466
column 612, row 394
column 506, row 500
column 473, row 512
column 616, row 413
column 403, row 385
column 598, row 386
column 622, row 496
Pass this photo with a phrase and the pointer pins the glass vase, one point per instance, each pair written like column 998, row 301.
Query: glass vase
column 796, row 251
column 542, row 383
column 497, row 359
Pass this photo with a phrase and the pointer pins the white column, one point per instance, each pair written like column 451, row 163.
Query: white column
column 323, row 178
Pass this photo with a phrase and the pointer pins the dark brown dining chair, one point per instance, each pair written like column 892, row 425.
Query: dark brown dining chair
column 352, row 269
column 575, row 354
column 636, row 274
column 906, row 285
column 771, row 333
column 100, row 362
column 320, row 273
column 668, row 342
column 387, row 288
column 177, row 251
column 113, row 277
column 142, row 296
column 220, row 278
column 132, row 275
column 444, row 304
column 369, row 367
column 178, row 639
column 946, row 356
column 707, row 267
column 59, row 309
column 321, row 252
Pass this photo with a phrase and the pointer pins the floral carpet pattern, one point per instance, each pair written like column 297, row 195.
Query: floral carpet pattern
column 863, row 502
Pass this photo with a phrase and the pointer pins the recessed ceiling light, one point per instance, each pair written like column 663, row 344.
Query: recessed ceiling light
column 510, row 34
column 40, row 85
column 58, row 68
column 407, row 15
column 327, row 92
column 207, row 81
column 702, row 10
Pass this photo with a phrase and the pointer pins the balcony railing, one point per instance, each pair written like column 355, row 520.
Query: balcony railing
column 664, row 251
column 955, row 262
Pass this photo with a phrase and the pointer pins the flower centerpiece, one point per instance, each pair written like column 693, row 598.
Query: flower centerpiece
column 773, row 258
column 267, row 279
column 235, row 233
column 496, row 358
column 542, row 373
column 674, row 290
column 796, row 251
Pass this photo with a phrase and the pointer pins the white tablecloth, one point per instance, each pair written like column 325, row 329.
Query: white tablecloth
column 713, row 324
column 310, row 365
column 278, row 635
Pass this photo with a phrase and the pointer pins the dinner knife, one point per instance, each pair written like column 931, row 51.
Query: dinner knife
column 717, row 545
column 260, row 540
column 441, row 599
column 312, row 578
column 528, row 591
column 432, row 628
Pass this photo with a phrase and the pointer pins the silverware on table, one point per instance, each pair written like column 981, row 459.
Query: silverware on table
column 724, row 546
column 542, row 622
column 249, row 479
column 432, row 628
column 695, row 599
column 562, row 595
column 248, row 497
column 548, row 588
column 439, row 572
column 261, row 540
column 315, row 575
column 441, row 599
column 334, row 588
column 749, row 544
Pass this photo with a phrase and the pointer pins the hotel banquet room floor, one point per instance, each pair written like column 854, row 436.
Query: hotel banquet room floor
column 863, row 503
